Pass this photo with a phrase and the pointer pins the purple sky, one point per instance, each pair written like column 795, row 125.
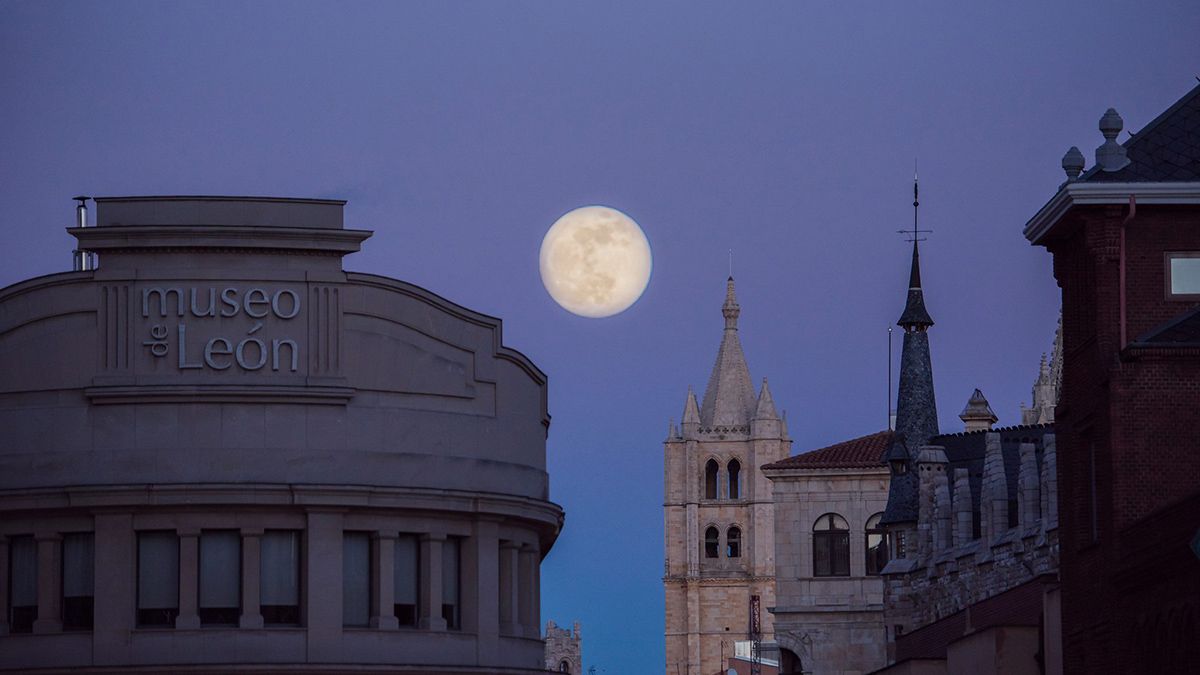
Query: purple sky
column 460, row 131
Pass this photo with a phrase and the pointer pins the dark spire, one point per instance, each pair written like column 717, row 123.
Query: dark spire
column 916, row 408
column 915, row 316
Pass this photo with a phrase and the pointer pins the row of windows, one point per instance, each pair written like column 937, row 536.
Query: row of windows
column 220, row 579
column 831, row 546
column 733, row 476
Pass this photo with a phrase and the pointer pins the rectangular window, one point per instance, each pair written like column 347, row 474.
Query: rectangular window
column 450, row 582
column 1183, row 275
column 158, row 579
column 78, row 580
column 831, row 554
column 220, row 577
column 280, row 578
column 407, row 579
column 356, row 579
column 22, row 584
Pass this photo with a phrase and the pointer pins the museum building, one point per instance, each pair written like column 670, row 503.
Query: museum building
column 220, row 451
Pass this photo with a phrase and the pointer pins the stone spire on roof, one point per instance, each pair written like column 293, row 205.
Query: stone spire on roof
column 729, row 399
column 765, row 410
column 690, row 425
column 978, row 414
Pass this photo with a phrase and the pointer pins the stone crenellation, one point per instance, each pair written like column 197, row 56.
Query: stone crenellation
column 564, row 648
column 972, row 545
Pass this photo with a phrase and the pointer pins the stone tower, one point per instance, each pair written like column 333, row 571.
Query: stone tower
column 564, row 649
column 719, row 531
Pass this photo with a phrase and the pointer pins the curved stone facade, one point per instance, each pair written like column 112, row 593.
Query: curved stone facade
column 317, row 469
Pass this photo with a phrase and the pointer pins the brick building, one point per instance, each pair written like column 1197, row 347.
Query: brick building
column 1125, row 236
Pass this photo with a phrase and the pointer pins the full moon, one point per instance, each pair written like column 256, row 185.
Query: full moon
column 595, row 261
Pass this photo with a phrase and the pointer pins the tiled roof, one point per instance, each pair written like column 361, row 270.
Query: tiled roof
column 1165, row 150
column 862, row 452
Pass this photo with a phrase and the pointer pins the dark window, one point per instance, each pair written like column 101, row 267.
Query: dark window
column 831, row 546
column 279, row 578
column 564, row 667
column 710, row 479
column 711, row 542
column 450, row 582
column 735, row 477
column 158, row 579
column 877, row 545
column 78, row 580
column 407, row 575
column 220, row 577
column 22, row 584
column 733, row 543
column 356, row 579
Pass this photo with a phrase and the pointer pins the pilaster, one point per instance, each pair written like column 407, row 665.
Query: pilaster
column 49, row 583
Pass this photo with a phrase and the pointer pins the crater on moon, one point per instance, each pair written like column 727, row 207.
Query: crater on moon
column 595, row 261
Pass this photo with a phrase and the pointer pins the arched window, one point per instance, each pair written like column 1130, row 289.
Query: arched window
column 831, row 546
column 710, row 479
column 711, row 542
column 733, row 543
column 735, row 477
column 564, row 667
column 877, row 545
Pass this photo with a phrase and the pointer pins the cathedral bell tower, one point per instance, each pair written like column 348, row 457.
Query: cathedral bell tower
column 719, row 535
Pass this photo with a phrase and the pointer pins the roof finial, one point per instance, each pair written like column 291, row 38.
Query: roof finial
column 1110, row 156
column 915, row 317
column 730, row 310
column 1072, row 163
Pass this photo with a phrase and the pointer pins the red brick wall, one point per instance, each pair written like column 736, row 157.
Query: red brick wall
column 1134, row 416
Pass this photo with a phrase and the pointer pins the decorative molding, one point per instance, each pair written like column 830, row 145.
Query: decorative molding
column 1092, row 194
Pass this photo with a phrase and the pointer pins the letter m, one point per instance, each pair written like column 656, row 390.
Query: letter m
column 162, row 294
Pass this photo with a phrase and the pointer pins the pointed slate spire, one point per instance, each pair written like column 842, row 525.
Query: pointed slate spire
column 915, row 316
column 729, row 399
column 916, row 409
column 766, row 404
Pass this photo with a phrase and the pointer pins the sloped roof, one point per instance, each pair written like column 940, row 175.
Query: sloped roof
column 861, row 452
column 1182, row 331
column 1165, row 150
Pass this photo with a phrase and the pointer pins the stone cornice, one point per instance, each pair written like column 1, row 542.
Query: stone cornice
column 271, row 495
column 199, row 237
column 1091, row 194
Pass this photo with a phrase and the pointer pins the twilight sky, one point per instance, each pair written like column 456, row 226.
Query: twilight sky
column 460, row 131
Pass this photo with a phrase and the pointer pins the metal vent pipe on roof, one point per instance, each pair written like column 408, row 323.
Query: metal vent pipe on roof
column 83, row 260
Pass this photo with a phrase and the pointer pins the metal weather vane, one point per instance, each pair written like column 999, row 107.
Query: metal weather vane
column 914, row 235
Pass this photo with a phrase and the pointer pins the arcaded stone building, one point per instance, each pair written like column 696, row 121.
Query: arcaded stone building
column 829, row 551
column 718, row 525
column 1125, row 236
column 222, row 452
